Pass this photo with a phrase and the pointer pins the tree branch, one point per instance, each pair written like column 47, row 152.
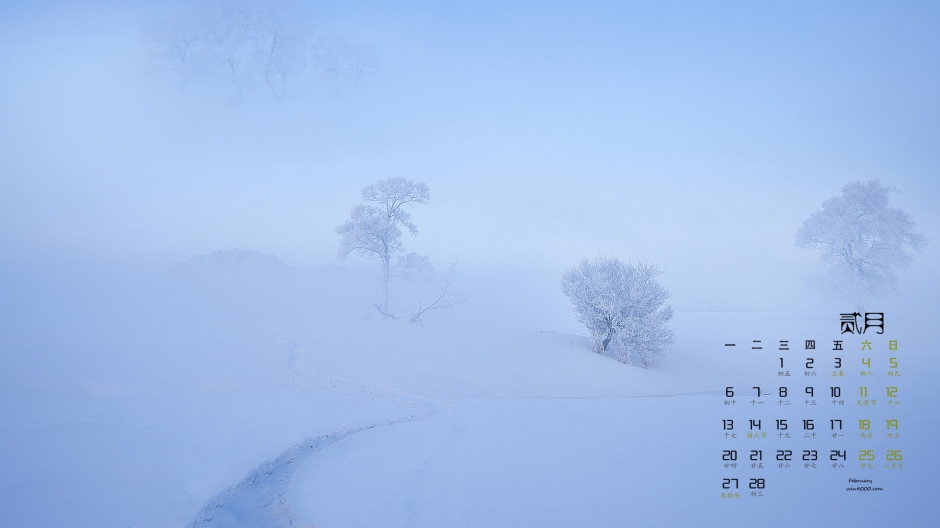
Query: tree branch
column 385, row 314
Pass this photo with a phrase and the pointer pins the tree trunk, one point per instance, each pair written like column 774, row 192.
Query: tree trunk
column 385, row 275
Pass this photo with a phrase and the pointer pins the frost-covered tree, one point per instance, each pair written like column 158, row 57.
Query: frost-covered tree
column 622, row 305
column 862, row 239
column 374, row 229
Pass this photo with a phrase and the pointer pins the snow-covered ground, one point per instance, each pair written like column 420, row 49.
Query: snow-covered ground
column 143, row 387
column 173, row 400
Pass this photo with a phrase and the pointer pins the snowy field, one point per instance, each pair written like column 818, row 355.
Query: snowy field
column 517, row 162
column 173, row 399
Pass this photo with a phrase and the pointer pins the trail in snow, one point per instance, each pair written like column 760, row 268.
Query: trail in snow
column 260, row 501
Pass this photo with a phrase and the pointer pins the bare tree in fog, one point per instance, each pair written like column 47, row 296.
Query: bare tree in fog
column 228, row 34
column 282, row 38
column 623, row 306
column 863, row 241
column 243, row 41
column 374, row 229
column 174, row 45
column 339, row 58
column 446, row 298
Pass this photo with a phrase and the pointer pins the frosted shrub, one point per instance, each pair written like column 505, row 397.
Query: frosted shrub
column 623, row 306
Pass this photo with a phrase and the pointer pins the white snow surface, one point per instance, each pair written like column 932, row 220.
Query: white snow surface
column 284, row 401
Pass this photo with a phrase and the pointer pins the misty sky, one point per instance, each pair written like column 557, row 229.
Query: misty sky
column 693, row 135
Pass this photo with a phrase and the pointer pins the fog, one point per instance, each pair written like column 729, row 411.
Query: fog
column 696, row 136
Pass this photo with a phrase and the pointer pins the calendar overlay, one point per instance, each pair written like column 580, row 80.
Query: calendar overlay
column 830, row 405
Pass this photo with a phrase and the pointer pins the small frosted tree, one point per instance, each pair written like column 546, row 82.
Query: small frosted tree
column 623, row 306
column 374, row 229
column 863, row 241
